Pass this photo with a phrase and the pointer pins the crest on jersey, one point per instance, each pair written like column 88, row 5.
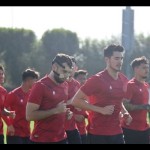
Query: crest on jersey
column 54, row 92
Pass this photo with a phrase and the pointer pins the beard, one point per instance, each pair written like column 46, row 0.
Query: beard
column 57, row 78
column 117, row 69
column 144, row 77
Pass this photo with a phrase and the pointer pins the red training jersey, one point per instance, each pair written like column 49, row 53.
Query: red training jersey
column 47, row 95
column 138, row 94
column 73, row 87
column 16, row 100
column 103, row 90
column 3, row 93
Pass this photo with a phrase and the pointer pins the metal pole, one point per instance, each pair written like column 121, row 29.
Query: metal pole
column 128, row 38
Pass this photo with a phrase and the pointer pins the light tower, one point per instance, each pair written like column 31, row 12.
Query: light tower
column 128, row 37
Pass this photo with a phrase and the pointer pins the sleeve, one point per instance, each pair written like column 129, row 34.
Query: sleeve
column 36, row 94
column 129, row 92
column 91, row 86
column 3, row 94
column 8, row 120
column 9, row 101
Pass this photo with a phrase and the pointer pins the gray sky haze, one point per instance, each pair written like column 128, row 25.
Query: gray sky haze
column 93, row 22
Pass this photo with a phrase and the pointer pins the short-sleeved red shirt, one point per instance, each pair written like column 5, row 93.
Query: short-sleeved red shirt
column 73, row 87
column 103, row 90
column 16, row 100
column 3, row 93
column 138, row 94
column 47, row 94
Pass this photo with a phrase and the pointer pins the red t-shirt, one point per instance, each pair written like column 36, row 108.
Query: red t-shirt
column 3, row 93
column 103, row 90
column 47, row 94
column 138, row 94
column 73, row 87
column 16, row 100
column 81, row 125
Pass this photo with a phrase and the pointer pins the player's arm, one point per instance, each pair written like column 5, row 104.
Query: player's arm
column 79, row 101
column 131, row 107
column 6, row 112
column 125, row 114
column 33, row 112
column 123, row 109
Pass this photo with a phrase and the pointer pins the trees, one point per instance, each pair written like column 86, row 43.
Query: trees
column 57, row 41
column 15, row 45
column 20, row 49
column 90, row 55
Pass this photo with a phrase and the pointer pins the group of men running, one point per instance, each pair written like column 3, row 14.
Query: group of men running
column 68, row 108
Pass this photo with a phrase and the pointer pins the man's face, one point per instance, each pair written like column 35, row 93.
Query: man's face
column 75, row 68
column 81, row 78
column 115, row 61
column 142, row 70
column 61, row 74
column 2, row 76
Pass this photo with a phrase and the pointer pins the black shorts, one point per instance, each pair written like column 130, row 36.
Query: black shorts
column 17, row 140
column 1, row 139
column 73, row 137
column 136, row 137
column 105, row 139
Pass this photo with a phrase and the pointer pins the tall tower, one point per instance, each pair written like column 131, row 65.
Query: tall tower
column 128, row 37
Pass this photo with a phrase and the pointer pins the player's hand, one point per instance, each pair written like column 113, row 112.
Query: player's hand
column 61, row 107
column 69, row 114
column 127, row 118
column 11, row 130
column 12, row 114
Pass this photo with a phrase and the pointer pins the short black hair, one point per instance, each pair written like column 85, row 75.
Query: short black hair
column 73, row 59
column 80, row 72
column 108, row 51
column 30, row 73
column 61, row 58
column 2, row 68
column 138, row 61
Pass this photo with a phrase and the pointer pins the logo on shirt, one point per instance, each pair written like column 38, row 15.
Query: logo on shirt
column 36, row 136
column 54, row 92
column 110, row 87
column 140, row 90
column 21, row 100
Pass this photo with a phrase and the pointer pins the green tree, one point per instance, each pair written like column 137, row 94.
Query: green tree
column 15, row 45
column 57, row 41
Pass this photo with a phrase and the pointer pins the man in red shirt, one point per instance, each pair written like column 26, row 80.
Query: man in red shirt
column 136, row 103
column 80, row 115
column 106, row 92
column 73, row 135
column 3, row 112
column 47, row 103
column 18, row 131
